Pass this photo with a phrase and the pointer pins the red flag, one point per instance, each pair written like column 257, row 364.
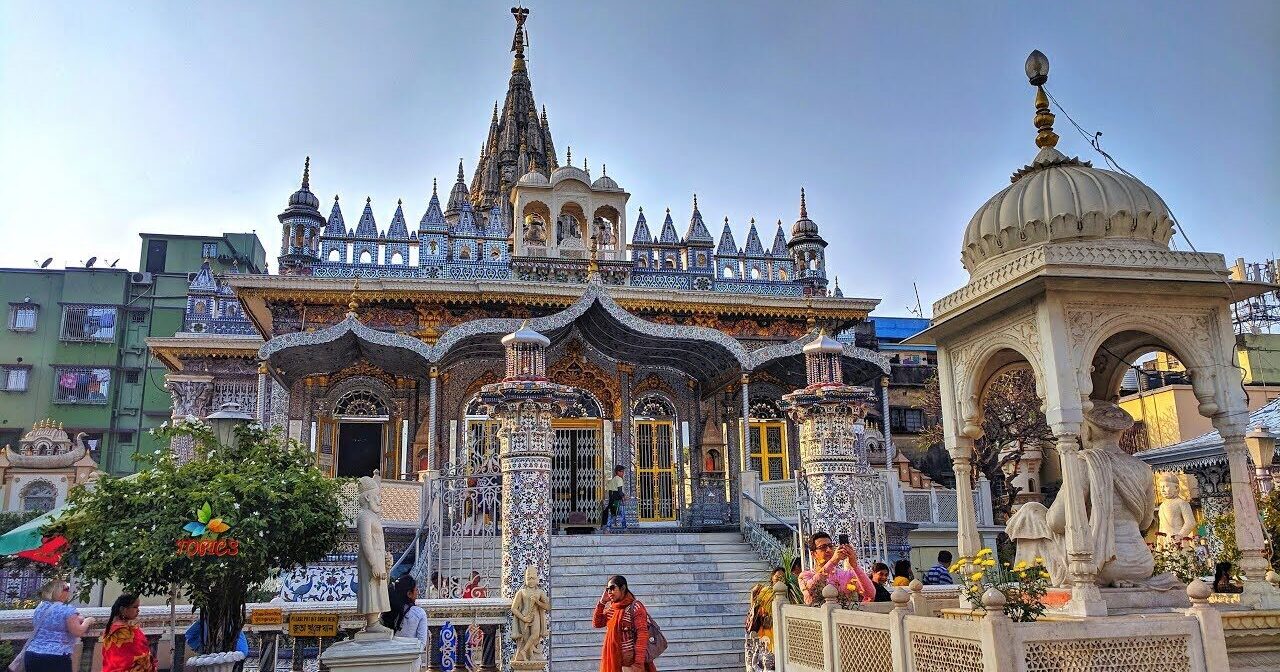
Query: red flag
column 49, row 552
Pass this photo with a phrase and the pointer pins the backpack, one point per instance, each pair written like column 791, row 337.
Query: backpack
column 657, row 640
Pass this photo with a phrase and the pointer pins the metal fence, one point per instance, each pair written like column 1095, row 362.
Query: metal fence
column 460, row 554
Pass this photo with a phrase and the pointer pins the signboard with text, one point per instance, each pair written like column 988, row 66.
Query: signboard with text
column 313, row 625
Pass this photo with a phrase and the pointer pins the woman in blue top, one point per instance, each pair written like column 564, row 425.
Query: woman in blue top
column 55, row 628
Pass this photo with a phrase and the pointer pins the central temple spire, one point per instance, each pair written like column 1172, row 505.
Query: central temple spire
column 519, row 140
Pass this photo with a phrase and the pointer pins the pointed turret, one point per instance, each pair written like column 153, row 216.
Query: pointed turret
column 333, row 243
column 697, row 231
column 433, row 218
column 457, row 196
column 398, row 229
column 835, row 289
column 779, row 248
column 300, row 232
column 727, row 247
column 640, row 235
column 367, row 227
column 808, row 252
column 753, row 247
column 520, row 140
column 335, row 227
column 668, row 236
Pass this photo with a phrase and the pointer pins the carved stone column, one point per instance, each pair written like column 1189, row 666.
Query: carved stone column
column 192, row 396
column 1082, row 571
column 525, row 403
column 1250, row 538
column 968, row 539
column 433, row 392
column 264, row 394
column 826, row 411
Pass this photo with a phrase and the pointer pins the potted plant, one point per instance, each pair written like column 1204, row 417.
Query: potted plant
column 250, row 504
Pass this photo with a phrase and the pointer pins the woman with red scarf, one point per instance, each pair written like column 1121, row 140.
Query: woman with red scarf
column 124, row 646
column 626, row 635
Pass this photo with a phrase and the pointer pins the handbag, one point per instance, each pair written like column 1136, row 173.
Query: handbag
column 657, row 641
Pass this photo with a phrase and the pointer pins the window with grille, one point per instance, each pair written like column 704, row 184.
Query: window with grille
column 131, row 377
column 14, row 378
column 138, row 316
column 22, row 316
column 768, row 442
column 39, row 496
column 906, row 419
column 126, row 437
column 209, row 250
column 81, row 385
column 90, row 323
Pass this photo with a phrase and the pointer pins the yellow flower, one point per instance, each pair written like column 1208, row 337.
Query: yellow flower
column 1022, row 564
column 985, row 551
column 976, row 576
column 1039, row 560
column 955, row 566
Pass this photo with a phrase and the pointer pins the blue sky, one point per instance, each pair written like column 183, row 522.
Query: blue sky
column 900, row 119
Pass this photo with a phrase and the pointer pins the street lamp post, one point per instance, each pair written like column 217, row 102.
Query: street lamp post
column 225, row 421
column 1261, row 444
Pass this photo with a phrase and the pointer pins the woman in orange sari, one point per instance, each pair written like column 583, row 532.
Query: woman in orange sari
column 124, row 646
column 626, row 635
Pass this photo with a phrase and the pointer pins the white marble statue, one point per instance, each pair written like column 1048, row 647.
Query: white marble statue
column 374, row 562
column 1177, row 520
column 529, row 609
column 1029, row 527
column 1120, row 495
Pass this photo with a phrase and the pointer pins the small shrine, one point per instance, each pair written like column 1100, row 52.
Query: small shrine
column 47, row 463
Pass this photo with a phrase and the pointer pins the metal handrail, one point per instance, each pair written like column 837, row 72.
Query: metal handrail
column 771, row 514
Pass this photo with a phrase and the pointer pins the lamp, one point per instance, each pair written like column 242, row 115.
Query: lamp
column 225, row 421
column 1261, row 444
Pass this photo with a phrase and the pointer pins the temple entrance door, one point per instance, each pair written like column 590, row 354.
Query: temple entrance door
column 655, row 470
column 577, row 473
column 360, row 448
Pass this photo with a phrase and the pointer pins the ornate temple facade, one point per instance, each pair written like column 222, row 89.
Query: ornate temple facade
column 371, row 346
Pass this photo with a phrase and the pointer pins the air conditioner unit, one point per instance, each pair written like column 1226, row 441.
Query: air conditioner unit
column 141, row 278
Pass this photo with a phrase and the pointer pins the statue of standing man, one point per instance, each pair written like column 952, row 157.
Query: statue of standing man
column 529, row 610
column 374, row 562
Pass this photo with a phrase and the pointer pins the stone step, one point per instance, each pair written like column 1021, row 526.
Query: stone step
column 697, row 586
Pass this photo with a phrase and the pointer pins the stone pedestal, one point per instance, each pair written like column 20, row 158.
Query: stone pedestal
column 398, row 654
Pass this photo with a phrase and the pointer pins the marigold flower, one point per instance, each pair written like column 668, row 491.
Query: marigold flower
column 985, row 551
column 976, row 576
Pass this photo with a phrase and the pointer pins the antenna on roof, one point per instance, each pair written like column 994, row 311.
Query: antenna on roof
column 918, row 311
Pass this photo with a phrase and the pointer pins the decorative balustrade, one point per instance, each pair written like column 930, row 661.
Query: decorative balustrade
column 238, row 326
column 907, row 635
column 478, row 628
column 401, row 503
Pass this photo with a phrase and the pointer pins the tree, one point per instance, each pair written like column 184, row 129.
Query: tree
column 1012, row 420
column 215, row 527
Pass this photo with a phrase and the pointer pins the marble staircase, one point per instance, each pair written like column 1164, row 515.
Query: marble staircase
column 695, row 584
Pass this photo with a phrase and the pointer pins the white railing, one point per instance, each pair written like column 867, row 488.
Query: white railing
column 909, row 637
column 936, row 506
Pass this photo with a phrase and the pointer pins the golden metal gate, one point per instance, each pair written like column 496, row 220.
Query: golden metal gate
column 655, row 469
column 577, row 473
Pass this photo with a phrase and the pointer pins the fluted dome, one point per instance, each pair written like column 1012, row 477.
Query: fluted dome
column 1060, row 199
column 605, row 183
column 570, row 173
column 304, row 198
column 533, row 178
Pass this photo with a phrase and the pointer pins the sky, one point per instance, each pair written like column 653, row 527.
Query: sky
column 898, row 118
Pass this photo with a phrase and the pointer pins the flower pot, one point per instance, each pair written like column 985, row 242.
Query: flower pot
column 215, row 662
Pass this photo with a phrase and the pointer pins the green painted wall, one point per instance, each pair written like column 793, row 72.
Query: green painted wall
column 43, row 349
column 147, row 306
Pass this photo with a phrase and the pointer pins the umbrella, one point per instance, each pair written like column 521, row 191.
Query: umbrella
column 27, row 536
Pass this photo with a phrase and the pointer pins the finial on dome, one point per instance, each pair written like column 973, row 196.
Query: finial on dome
column 604, row 170
column 335, row 198
column 460, row 174
column 495, row 116
column 368, row 200
column 306, row 174
column 1037, row 68
column 434, row 191
column 695, row 203
column 804, row 209
column 568, row 155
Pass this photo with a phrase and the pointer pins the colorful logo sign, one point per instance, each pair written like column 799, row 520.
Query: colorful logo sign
column 206, row 539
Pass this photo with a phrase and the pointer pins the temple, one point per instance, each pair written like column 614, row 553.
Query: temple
column 371, row 346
